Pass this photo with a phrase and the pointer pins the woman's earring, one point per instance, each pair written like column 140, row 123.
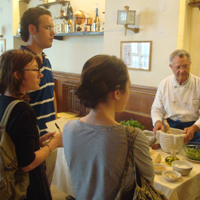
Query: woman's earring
column 117, row 97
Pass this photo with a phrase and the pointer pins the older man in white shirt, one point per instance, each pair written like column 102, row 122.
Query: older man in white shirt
column 178, row 99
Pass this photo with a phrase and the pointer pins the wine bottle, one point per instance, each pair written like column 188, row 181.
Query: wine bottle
column 69, row 9
column 19, row 29
column 58, row 25
column 61, row 11
column 69, row 24
column 96, row 24
column 103, row 22
column 62, row 26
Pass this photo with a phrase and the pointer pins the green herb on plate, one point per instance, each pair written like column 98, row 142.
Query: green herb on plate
column 133, row 123
column 193, row 153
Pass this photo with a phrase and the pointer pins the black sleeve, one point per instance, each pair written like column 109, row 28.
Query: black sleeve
column 22, row 128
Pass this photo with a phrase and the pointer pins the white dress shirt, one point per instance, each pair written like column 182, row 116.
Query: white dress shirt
column 177, row 102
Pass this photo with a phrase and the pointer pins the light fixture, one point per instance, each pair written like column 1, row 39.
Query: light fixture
column 127, row 17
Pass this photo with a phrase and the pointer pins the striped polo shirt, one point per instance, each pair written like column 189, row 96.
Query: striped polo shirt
column 42, row 100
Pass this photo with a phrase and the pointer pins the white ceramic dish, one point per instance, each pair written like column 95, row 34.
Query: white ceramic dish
column 159, row 168
column 170, row 175
column 150, row 136
column 173, row 141
column 183, row 167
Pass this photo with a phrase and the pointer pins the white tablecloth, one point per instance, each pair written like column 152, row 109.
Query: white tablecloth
column 185, row 188
column 61, row 176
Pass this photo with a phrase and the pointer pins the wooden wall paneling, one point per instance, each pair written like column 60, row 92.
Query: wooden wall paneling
column 60, row 78
column 71, row 101
column 138, row 105
column 140, row 100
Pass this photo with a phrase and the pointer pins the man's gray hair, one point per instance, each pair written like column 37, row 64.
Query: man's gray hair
column 179, row 52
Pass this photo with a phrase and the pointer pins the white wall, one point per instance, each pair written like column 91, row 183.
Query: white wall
column 157, row 21
column 6, row 25
column 70, row 54
column 169, row 24
column 195, row 41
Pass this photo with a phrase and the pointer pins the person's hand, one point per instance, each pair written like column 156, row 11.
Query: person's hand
column 189, row 131
column 46, row 137
column 158, row 126
column 57, row 140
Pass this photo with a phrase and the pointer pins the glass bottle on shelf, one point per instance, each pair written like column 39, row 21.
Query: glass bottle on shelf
column 55, row 24
column 69, row 9
column 62, row 26
column 65, row 11
column 96, row 24
column 58, row 25
column 69, row 24
column 103, row 22
column 61, row 11
column 19, row 29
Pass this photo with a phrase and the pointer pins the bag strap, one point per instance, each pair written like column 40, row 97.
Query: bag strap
column 7, row 112
column 130, row 132
column 132, row 136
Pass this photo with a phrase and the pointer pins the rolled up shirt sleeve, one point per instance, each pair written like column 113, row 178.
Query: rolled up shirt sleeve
column 197, row 123
column 157, row 109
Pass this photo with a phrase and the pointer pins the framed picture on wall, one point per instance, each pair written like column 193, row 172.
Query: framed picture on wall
column 137, row 54
column 2, row 45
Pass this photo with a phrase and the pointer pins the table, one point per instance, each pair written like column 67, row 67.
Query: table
column 61, row 177
column 185, row 188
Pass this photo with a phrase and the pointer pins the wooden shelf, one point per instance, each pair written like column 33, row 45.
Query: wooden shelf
column 47, row 5
column 60, row 36
column 195, row 4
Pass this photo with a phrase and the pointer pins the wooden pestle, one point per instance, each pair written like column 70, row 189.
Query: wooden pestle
column 167, row 127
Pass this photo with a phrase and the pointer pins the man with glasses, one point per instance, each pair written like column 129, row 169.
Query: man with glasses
column 38, row 33
column 178, row 99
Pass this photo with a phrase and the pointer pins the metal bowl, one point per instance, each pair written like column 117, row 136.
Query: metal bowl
column 192, row 151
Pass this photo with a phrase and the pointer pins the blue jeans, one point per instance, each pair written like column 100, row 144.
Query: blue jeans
column 182, row 125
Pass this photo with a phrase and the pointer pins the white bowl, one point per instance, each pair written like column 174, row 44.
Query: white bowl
column 150, row 136
column 183, row 167
column 173, row 141
column 159, row 168
column 170, row 175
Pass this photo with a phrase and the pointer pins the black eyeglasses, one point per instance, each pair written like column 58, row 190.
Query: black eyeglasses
column 38, row 70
